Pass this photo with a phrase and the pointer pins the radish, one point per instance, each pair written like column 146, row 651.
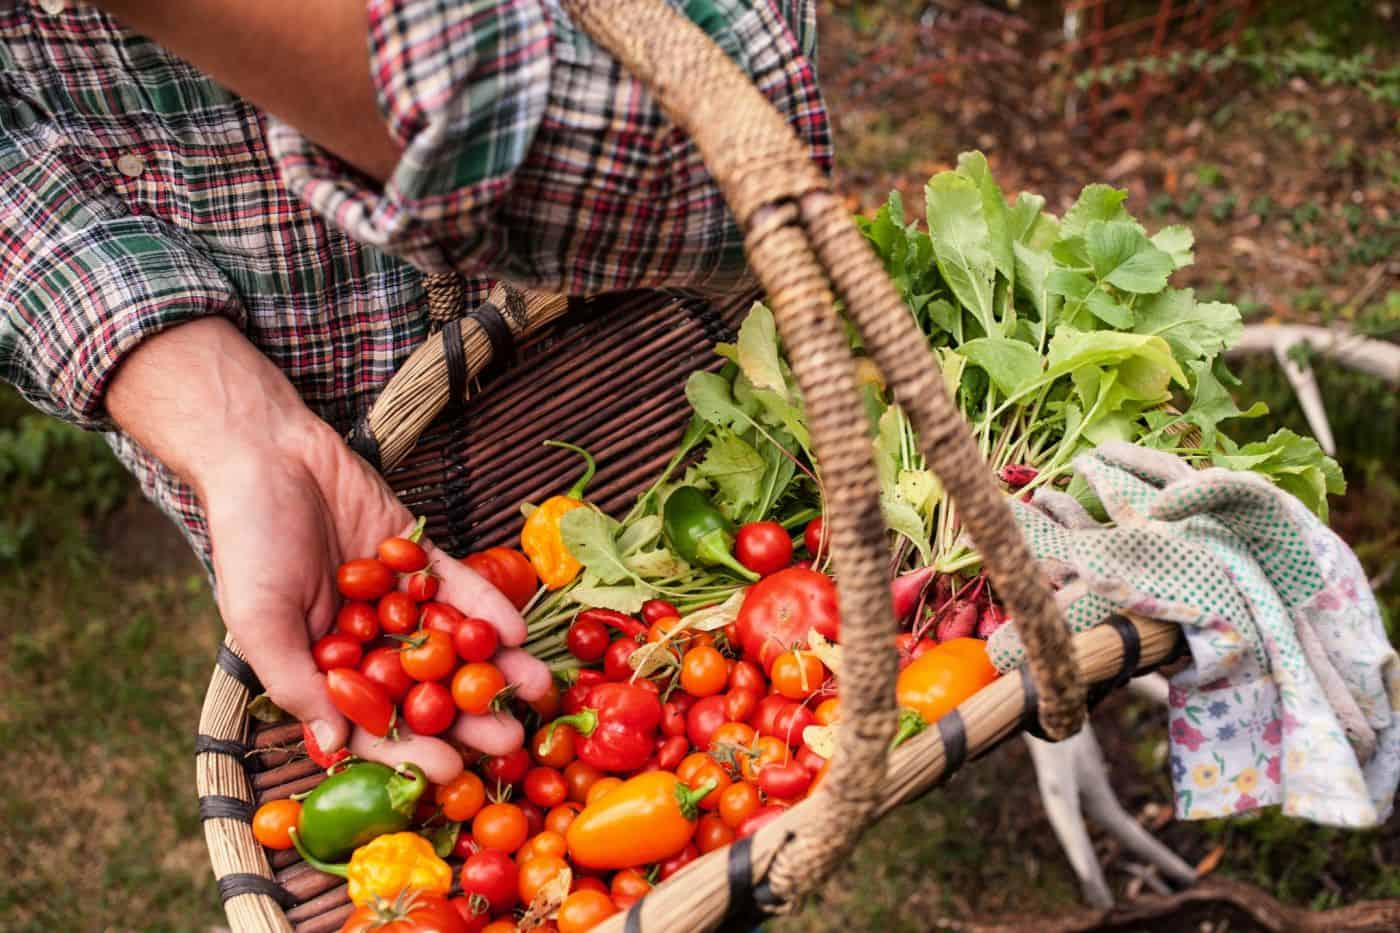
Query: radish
column 992, row 618
column 907, row 589
column 958, row 621
column 1017, row 475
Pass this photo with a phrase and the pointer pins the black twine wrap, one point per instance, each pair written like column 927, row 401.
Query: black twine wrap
column 749, row 903
column 220, row 807
column 238, row 669
column 363, row 442
column 1132, row 655
column 456, row 359
column 207, row 744
column 240, row 883
column 493, row 324
column 954, row 735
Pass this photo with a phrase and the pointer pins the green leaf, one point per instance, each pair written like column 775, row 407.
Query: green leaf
column 962, row 243
column 973, row 165
column 736, row 470
column 1011, row 364
column 920, row 488
column 1213, row 404
column 590, row 537
column 626, row 599
column 1071, row 349
column 1029, row 225
column 888, row 446
column 952, row 364
column 641, row 533
column 1123, row 257
column 946, row 318
column 904, row 519
column 1079, row 291
column 1096, row 202
column 1033, row 269
column 1295, row 464
column 711, row 397
column 758, row 351
column 1194, row 330
column 1176, row 241
column 656, row 564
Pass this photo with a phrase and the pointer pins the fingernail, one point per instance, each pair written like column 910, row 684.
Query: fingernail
column 325, row 734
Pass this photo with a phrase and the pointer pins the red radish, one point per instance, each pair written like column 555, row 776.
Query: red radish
column 992, row 618
column 959, row 620
column 1017, row 475
column 907, row 589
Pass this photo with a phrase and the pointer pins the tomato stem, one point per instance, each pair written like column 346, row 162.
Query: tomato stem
column 416, row 533
column 584, row 722
column 910, row 725
column 688, row 798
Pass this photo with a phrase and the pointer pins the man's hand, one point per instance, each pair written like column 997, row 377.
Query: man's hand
column 287, row 502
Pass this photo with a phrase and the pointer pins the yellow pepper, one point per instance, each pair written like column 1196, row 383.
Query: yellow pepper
column 389, row 864
column 542, row 541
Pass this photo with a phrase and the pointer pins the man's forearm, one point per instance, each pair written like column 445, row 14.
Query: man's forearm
column 304, row 61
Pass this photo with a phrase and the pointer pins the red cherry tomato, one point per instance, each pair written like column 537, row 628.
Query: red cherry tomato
column 361, row 700
column 358, row 620
column 336, row 650
column 779, row 610
column 739, row 704
column 790, row 721
column 383, row 666
column 786, row 780
column 676, row 862
column 673, row 718
column 534, row 817
column 507, row 570
column 672, row 752
column 364, row 578
column 476, row 640
column 615, row 665
column 763, row 547
column 757, row 820
column 440, row 617
column 509, row 768
column 813, row 538
column 704, row 718
column 402, row 555
column 587, row 640
column 810, row 759
column 654, row 610
column 746, row 675
column 428, row 656
column 766, row 712
column 475, row 687
column 422, row 586
column 428, row 709
column 398, row 613
column 546, row 787
column 492, row 876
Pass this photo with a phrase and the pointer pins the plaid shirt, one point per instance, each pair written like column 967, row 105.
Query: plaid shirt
column 136, row 194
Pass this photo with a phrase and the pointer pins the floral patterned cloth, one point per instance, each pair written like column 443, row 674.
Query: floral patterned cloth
column 1293, row 698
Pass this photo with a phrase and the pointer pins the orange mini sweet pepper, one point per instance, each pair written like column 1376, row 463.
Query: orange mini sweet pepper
column 543, row 541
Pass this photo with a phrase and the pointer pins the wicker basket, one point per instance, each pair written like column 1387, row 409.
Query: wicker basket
column 576, row 376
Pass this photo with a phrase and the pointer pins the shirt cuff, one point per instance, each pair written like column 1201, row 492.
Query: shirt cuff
column 76, row 311
column 462, row 87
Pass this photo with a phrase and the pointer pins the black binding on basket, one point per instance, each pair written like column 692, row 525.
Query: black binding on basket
column 493, row 324
column 207, row 744
column 954, row 736
column 363, row 442
column 240, row 883
column 456, row 360
column 238, row 669
column 220, row 807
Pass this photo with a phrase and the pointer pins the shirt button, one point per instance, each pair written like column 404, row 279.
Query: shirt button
column 130, row 165
column 52, row 7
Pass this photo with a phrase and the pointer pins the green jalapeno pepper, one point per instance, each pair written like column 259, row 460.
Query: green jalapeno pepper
column 356, row 804
column 700, row 533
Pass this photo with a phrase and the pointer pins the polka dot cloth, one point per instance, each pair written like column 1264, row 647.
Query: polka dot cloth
column 1246, row 569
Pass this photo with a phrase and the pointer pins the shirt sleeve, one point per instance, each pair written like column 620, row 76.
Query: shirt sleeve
column 82, row 281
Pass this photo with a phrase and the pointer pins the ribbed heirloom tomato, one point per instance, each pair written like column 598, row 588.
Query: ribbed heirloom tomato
column 421, row 913
column 779, row 610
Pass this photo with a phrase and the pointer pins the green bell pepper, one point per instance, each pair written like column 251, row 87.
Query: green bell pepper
column 700, row 533
column 356, row 804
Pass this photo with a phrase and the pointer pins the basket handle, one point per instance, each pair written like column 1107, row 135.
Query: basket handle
column 794, row 226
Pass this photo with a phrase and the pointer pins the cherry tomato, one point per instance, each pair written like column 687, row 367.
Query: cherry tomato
column 507, row 570
column 547, row 705
column 767, row 711
column 703, row 719
column 476, row 640
column 361, row 700
column 584, row 882
column 575, row 698
column 712, row 833
column 672, row 752
column 734, row 735
column 672, row 630
column 402, row 555
column 509, row 768
column 628, row 887
column 504, row 925
column 383, row 666
column 440, row 617
column 474, row 686
column 703, row 672
column 779, row 611
column 758, row 819
column 538, row 872
column 274, row 822
column 534, row 817
column 358, row 620
column 558, row 819
column 426, row 913
column 676, row 862
column 583, row 910
column 601, row 788
column 500, row 826
column 810, row 759
column 422, row 586
column 673, row 717
column 545, row 842
column 587, row 640
column 462, row 797
column 492, row 876
column 827, row 712
column 797, row 674
column 738, row 803
column 787, row 780
column 429, row 656
column 364, row 578
column 615, row 667
column 428, row 709
column 546, row 787
column 740, row 704
column 561, row 746
column 581, row 776
column 336, row 650
column 747, row 675
column 763, row 547
column 398, row 613
column 700, row 768
column 813, row 539
column 766, row 751
column 472, row 922
column 654, row 610
column 791, row 721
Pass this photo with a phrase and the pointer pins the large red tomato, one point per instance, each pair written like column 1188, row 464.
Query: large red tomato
column 779, row 610
column 415, row 912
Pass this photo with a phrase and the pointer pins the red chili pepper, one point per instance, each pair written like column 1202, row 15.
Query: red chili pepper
column 313, row 750
column 615, row 620
column 616, row 727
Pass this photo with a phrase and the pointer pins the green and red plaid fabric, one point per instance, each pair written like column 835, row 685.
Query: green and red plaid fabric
column 136, row 194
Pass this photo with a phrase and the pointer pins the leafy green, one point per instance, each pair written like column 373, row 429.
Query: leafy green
column 736, row 470
column 1295, row 464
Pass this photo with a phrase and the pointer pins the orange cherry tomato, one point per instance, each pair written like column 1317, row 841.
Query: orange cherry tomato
column 797, row 674
column 500, row 826
column 475, row 686
column 738, row 803
column 628, row 887
column 462, row 797
column 503, row 925
column 699, row 768
column 546, row 842
column 274, row 822
column 942, row 677
column 558, row 818
column 584, row 910
column 538, row 872
column 740, row 735
column 584, row 882
column 712, row 833
column 547, row 706
column 827, row 712
column 669, row 629
column 601, row 788
column 767, row 750
column 581, row 776
column 703, row 671
column 561, row 746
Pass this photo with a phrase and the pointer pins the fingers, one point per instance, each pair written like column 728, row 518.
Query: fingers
column 464, row 588
column 527, row 674
column 439, row 760
column 492, row 734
